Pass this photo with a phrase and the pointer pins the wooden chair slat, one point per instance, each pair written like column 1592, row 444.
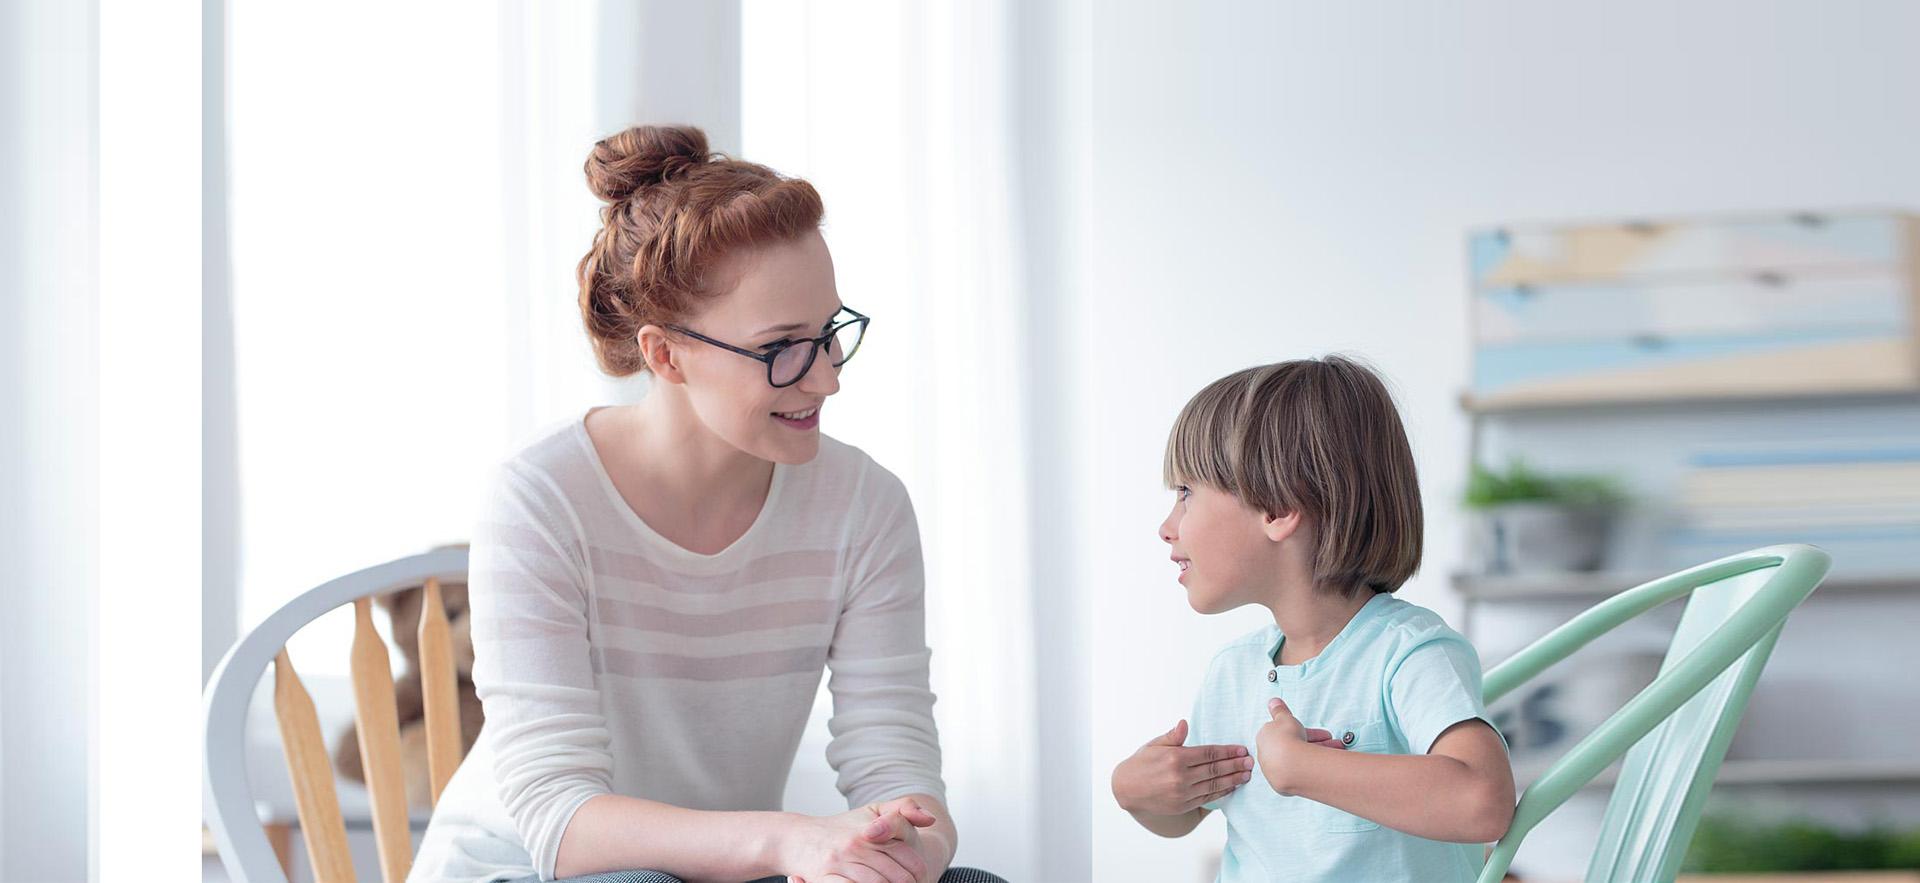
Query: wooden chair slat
column 307, row 765
column 439, row 690
column 378, row 725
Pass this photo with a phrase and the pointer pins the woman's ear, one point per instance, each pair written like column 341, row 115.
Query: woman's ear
column 1279, row 528
column 660, row 352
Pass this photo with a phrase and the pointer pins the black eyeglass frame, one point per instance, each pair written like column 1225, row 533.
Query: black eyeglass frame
column 774, row 350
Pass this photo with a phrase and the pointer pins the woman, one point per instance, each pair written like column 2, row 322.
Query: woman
column 656, row 587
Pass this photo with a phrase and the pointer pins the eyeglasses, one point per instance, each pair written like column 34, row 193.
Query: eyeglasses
column 789, row 360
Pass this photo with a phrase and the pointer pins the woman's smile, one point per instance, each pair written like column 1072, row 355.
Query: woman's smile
column 804, row 419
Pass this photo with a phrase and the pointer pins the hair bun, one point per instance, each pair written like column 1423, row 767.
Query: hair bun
column 622, row 164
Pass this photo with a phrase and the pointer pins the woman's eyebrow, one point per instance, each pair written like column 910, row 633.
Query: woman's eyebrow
column 798, row 326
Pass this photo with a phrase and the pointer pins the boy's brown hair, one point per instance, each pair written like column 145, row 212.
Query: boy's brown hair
column 1316, row 436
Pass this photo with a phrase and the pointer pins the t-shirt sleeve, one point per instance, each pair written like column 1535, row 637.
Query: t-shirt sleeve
column 532, row 664
column 884, row 742
column 1435, row 684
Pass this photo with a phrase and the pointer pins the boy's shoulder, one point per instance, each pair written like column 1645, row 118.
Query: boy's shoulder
column 1397, row 614
column 1404, row 627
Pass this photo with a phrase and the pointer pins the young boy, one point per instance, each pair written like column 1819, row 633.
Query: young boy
column 1347, row 740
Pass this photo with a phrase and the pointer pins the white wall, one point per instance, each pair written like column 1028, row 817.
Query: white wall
column 1283, row 180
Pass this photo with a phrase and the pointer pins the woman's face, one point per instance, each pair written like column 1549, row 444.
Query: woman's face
column 784, row 291
column 1218, row 542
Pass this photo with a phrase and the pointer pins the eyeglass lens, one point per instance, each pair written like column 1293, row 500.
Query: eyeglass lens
column 795, row 360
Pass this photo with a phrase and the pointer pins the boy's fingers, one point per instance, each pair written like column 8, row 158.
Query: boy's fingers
column 1223, row 767
column 1175, row 736
column 1209, row 798
column 1277, row 707
column 1201, row 755
column 1229, row 782
column 1315, row 734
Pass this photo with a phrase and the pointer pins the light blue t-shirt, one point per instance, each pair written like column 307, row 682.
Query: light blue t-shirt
column 1389, row 683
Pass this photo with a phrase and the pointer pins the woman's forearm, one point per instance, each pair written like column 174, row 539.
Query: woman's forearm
column 613, row 832
column 1428, row 795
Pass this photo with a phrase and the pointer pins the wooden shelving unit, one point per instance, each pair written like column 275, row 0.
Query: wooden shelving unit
column 1762, row 772
column 1512, row 411
column 1599, row 584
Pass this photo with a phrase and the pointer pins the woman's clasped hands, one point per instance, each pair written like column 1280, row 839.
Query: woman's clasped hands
column 877, row 843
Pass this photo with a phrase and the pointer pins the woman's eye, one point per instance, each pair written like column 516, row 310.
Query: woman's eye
column 779, row 344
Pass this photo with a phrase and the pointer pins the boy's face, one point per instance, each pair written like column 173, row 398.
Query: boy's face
column 1221, row 546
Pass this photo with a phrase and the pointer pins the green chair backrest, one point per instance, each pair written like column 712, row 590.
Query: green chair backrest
column 1675, row 732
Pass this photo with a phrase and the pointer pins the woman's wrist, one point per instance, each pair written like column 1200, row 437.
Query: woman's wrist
column 778, row 833
column 940, row 853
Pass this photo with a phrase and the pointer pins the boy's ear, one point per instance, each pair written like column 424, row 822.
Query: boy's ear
column 1279, row 527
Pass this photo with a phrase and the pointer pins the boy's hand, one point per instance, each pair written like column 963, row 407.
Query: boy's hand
column 1168, row 778
column 1281, row 741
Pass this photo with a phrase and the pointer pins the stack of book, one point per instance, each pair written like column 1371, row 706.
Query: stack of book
column 1859, row 501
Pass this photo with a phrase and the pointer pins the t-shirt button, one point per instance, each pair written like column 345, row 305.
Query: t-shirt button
column 1273, row 674
column 1346, row 738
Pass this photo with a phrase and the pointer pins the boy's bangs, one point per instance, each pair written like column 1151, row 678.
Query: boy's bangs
column 1197, row 448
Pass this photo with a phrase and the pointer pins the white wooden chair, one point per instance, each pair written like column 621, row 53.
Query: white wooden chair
column 232, row 819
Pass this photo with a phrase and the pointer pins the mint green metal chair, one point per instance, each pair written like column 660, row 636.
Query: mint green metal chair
column 1675, row 732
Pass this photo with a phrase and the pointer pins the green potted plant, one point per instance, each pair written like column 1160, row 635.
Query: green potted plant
column 1742, row 844
column 1525, row 521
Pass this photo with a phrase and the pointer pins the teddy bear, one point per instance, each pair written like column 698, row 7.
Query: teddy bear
column 403, row 613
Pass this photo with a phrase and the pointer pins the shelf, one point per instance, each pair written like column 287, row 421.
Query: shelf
column 1497, row 405
column 1753, row 771
column 1599, row 584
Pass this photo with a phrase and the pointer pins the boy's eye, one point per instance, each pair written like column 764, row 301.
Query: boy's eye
column 1182, row 491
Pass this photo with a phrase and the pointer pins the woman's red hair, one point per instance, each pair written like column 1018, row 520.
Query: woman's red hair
column 674, row 211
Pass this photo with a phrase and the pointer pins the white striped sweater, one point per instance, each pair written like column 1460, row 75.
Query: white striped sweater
column 610, row 660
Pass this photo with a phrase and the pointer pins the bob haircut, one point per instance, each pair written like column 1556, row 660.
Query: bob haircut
column 1316, row 436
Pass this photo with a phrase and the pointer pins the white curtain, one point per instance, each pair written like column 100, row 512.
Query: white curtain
column 404, row 234
column 908, row 119
column 49, row 436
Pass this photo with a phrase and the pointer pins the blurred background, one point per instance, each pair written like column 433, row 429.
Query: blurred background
column 1660, row 254
column 1642, row 277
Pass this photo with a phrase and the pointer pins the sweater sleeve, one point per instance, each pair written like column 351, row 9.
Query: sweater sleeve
column 532, row 666
column 884, row 742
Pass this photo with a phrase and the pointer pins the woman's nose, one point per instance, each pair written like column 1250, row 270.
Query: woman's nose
column 822, row 378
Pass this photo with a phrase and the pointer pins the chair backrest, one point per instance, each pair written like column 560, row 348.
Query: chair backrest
column 1674, row 733
column 231, row 815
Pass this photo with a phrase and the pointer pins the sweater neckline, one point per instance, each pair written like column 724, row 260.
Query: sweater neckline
column 681, row 555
